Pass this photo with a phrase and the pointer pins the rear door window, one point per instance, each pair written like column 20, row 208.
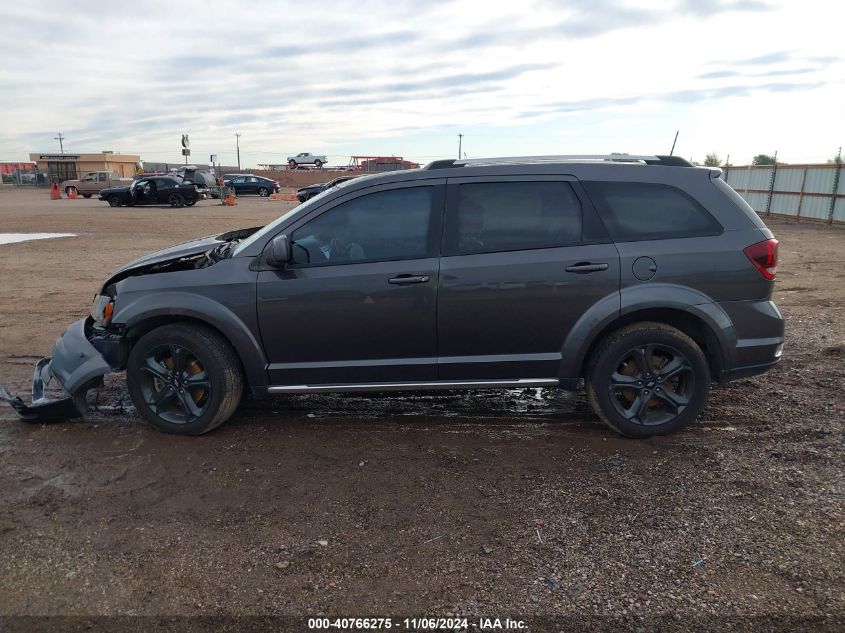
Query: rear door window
column 634, row 211
column 489, row 217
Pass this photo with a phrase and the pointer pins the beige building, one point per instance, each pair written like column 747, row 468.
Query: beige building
column 62, row 167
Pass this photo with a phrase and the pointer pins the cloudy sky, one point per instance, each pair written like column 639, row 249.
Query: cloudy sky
column 401, row 77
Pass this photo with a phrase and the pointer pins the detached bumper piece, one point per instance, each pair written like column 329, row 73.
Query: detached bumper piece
column 42, row 409
column 74, row 363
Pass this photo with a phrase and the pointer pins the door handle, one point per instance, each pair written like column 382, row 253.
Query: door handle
column 585, row 267
column 407, row 280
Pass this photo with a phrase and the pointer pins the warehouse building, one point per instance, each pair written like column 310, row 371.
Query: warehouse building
column 60, row 167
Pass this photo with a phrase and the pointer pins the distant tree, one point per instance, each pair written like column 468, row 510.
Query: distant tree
column 763, row 159
column 712, row 160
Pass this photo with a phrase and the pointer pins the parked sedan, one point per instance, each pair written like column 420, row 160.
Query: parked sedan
column 243, row 184
column 312, row 190
column 155, row 190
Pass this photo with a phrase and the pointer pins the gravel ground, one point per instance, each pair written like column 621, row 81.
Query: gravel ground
column 499, row 504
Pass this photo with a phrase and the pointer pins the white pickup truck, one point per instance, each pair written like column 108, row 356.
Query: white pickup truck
column 306, row 158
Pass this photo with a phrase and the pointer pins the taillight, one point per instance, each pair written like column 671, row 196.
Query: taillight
column 764, row 256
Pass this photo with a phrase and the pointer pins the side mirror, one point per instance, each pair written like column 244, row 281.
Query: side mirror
column 279, row 251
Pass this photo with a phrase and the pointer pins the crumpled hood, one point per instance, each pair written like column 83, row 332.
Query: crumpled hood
column 179, row 251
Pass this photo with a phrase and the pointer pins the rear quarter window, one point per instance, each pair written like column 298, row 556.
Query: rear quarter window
column 634, row 211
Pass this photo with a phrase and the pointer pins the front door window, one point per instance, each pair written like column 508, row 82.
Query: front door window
column 383, row 226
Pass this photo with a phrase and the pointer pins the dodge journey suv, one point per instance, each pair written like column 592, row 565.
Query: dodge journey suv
column 642, row 277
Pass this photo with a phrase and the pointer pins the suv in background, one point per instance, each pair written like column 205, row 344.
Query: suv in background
column 642, row 276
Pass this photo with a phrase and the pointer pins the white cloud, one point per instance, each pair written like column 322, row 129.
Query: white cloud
column 736, row 76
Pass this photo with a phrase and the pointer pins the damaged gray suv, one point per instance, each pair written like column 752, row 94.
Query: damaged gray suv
column 642, row 276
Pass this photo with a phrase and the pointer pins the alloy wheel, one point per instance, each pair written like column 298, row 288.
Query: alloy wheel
column 652, row 384
column 175, row 384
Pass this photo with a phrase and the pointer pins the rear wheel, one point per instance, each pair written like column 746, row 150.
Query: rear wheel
column 176, row 200
column 184, row 379
column 86, row 195
column 114, row 201
column 318, row 164
column 647, row 379
column 263, row 192
column 291, row 164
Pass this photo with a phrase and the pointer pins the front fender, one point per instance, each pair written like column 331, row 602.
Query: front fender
column 184, row 304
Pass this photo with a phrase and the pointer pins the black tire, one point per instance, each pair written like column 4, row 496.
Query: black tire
column 176, row 200
column 190, row 203
column 115, row 201
column 318, row 164
column 86, row 195
column 292, row 164
column 263, row 192
column 167, row 361
column 647, row 379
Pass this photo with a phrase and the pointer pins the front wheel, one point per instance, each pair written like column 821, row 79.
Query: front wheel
column 114, row 201
column 176, row 200
column 71, row 191
column 647, row 379
column 184, row 379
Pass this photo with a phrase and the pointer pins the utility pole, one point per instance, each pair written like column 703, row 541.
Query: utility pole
column 460, row 138
column 60, row 138
column 238, row 147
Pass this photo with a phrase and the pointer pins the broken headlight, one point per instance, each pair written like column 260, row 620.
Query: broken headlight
column 102, row 310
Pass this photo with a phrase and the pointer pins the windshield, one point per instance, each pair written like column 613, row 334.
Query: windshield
column 270, row 228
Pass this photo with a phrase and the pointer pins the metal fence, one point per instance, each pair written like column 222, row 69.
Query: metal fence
column 813, row 192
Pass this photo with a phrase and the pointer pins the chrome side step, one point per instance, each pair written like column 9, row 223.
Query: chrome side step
column 414, row 386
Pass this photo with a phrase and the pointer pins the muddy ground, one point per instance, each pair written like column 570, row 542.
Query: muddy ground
column 511, row 504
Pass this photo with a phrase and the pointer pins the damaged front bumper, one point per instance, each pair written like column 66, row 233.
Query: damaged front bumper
column 75, row 363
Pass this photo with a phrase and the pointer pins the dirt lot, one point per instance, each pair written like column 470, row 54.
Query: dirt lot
column 506, row 505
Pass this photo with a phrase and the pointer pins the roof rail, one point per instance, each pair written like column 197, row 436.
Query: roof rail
column 648, row 159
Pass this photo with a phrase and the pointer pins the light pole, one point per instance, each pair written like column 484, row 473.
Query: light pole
column 60, row 138
column 460, row 138
column 238, row 147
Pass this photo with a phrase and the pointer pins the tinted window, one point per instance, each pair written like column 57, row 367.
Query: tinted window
column 646, row 211
column 104, row 177
column 509, row 216
column 385, row 225
column 239, row 181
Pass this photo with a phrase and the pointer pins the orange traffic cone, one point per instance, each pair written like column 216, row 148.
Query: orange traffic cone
column 229, row 199
column 54, row 192
column 72, row 193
